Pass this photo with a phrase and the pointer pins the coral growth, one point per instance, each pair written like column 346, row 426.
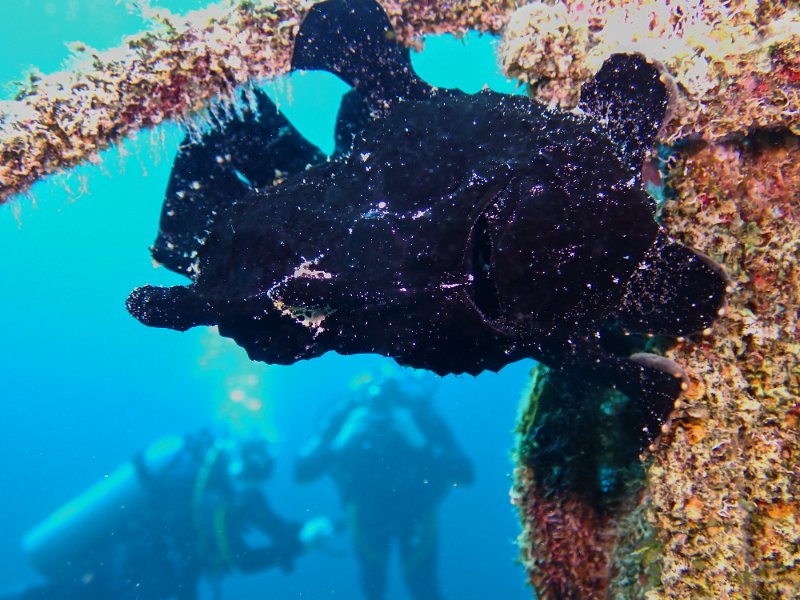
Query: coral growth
column 735, row 66
column 725, row 484
column 547, row 49
column 414, row 19
column 566, row 545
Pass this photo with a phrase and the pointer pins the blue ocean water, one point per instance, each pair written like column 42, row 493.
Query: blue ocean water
column 84, row 385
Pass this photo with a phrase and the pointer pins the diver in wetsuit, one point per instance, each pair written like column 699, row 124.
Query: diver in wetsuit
column 161, row 523
column 393, row 460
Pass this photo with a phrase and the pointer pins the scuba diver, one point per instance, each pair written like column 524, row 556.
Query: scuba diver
column 181, row 510
column 393, row 460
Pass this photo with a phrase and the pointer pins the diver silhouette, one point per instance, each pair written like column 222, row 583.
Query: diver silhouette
column 393, row 460
column 178, row 512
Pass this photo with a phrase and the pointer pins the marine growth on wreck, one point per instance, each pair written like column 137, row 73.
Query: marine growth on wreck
column 712, row 509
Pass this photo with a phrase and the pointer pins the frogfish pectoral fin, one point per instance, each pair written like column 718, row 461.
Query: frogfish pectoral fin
column 657, row 389
column 674, row 291
column 178, row 307
column 652, row 382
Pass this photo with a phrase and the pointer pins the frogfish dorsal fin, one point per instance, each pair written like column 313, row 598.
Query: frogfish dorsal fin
column 628, row 95
column 355, row 40
column 236, row 155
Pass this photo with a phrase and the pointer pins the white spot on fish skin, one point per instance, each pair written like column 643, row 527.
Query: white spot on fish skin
column 193, row 268
column 419, row 214
column 304, row 270
column 195, row 185
column 311, row 317
column 181, row 195
column 377, row 212
column 365, row 156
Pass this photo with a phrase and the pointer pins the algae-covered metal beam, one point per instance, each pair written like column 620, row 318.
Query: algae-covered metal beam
column 172, row 71
column 732, row 66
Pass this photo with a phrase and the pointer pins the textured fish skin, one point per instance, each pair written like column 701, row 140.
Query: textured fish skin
column 458, row 234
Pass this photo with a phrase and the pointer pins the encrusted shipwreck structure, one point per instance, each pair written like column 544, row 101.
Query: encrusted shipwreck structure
column 712, row 508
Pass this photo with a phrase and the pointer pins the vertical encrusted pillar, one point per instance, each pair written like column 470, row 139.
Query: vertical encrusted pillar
column 713, row 510
column 578, row 474
column 725, row 483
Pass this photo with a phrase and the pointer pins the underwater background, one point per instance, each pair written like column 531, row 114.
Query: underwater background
column 85, row 386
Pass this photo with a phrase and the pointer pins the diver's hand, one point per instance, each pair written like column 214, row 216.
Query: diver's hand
column 316, row 533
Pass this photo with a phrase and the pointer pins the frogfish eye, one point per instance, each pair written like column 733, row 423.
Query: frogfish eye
column 524, row 251
column 480, row 262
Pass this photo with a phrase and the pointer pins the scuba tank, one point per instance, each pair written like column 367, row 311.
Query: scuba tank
column 63, row 545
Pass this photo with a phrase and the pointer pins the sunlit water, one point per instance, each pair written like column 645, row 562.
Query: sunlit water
column 84, row 385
